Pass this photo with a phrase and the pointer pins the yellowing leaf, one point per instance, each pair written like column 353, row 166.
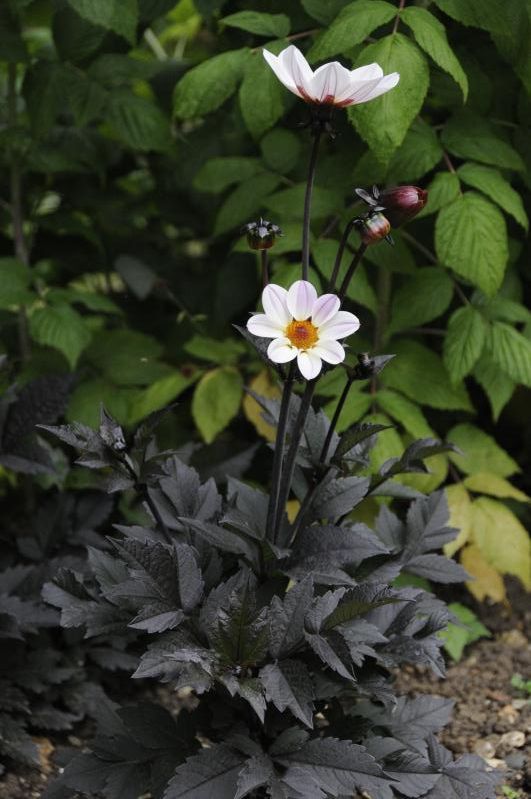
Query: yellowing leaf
column 292, row 508
column 503, row 541
column 460, row 508
column 496, row 486
column 438, row 466
column 487, row 581
column 264, row 386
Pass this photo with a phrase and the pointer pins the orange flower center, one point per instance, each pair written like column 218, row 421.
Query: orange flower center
column 302, row 335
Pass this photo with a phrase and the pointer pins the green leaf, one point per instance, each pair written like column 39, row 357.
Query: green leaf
column 352, row 25
column 273, row 25
column 261, row 96
column 492, row 183
column 14, row 281
column 463, row 345
column 12, row 47
column 471, row 238
column 480, row 451
column 456, row 637
column 502, row 539
column 468, row 135
column 486, row 14
column 84, row 404
column 216, row 401
column 206, row 87
column 74, row 37
column 496, row 384
column 419, row 373
column 62, row 328
column 138, row 122
column 421, row 298
column 42, row 90
column 360, row 290
column 120, row 16
column 405, row 412
column 289, row 203
column 419, row 153
column 157, row 396
column 496, row 486
column 511, row 352
column 443, row 190
column 217, row 174
column 280, row 150
column 127, row 357
column 384, row 122
column 431, row 36
column 224, row 351
column 245, row 201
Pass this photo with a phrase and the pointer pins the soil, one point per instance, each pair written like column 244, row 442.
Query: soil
column 491, row 717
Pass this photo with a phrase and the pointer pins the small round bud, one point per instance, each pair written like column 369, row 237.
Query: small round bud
column 402, row 203
column 374, row 228
column 261, row 235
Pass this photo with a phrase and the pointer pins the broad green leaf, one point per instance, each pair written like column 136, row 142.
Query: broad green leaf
column 264, row 386
column 84, row 404
column 206, row 87
column 497, row 385
column 460, row 507
column 419, row 153
column 480, row 451
column 463, row 345
column 486, row 14
column 388, row 443
column 359, row 290
column 14, row 281
column 280, row 150
column 384, row 122
column 62, row 328
column 42, row 89
column 245, row 201
column 261, row 96
column 357, row 404
column 495, row 486
column 443, row 190
column 456, row 637
column 216, row 401
column 87, row 98
column 138, row 122
column 406, row 413
column 217, row 174
column 289, row 203
column 487, row 580
column 222, row 351
column 127, row 357
column 503, row 540
column 422, row 297
column 275, row 26
column 395, row 258
column 419, row 373
column 510, row 351
column 75, row 38
column 12, row 47
column 469, row 135
column 430, row 34
column 120, row 16
column 500, row 308
column 513, row 39
column 352, row 25
column 323, row 11
column 157, row 396
column 497, row 188
column 471, row 238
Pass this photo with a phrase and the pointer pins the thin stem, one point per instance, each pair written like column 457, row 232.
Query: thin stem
column 448, row 162
column 278, row 456
column 335, row 419
column 264, row 260
column 428, row 331
column 291, row 458
column 339, row 255
column 358, row 255
column 142, row 491
column 397, row 18
column 308, row 206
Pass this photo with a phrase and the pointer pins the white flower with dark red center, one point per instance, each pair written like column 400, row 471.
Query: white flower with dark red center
column 331, row 84
column 303, row 326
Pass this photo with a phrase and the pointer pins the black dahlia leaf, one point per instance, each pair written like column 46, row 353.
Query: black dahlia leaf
column 223, row 539
column 414, row 775
column 211, row 773
column 337, row 497
column 257, row 771
column 359, row 600
column 322, row 648
column 347, row 545
column 427, row 525
column 16, row 743
column 437, row 568
column 465, row 778
column 248, row 509
column 413, row 720
column 355, row 435
column 288, row 685
column 286, row 618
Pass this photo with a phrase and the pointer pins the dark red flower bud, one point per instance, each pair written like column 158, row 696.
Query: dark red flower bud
column 374, row 228
column 402, row 203
column 261, row 235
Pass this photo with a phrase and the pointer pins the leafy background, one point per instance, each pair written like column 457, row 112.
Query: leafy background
column 137, row 137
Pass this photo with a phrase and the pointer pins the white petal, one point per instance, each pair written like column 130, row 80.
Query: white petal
column 274, row 302
column 261, row 325
column 341, row 325
column 368, row 72
column 309, row 364
column 329, row 81
column 325, row 306
column 330, row 351
column 281, row 72
column 301, row 299
column 298, row 70
column 385, row 85
column 281, row 350
column 358, row 92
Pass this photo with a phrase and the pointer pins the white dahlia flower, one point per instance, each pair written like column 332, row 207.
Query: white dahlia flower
column 331, row 84
column 303, row 326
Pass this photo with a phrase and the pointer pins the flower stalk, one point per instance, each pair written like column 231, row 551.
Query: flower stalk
column 278, row 457
column 308, row 205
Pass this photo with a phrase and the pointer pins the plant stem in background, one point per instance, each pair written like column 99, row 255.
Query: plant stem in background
column 291, row 458
column 384, row 297
column 308, row 206
column 278, row 456
column 335, row 418
column 358, row 255
column 17, row 217
column 264, row 260
column 339, row 256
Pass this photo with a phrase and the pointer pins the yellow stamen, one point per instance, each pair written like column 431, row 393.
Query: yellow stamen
column 302, row 335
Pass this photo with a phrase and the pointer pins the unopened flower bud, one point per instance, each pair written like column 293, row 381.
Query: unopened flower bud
column 374, row 228
column 261, row 235
column 402, row 203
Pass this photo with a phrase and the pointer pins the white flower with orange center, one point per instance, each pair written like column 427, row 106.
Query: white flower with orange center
column 303, row 326
column 331, row 84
